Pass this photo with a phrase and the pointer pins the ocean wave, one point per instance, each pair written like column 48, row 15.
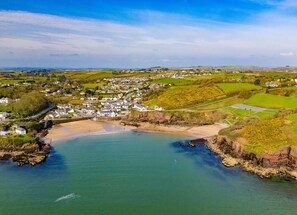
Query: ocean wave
column 68, row 197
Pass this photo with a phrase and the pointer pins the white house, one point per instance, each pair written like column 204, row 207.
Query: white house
column 4, row 101
column 157, row 108
column 271, row 84
column 3, row 115
column 139, row 107
column 20, row 131
column 4, row 133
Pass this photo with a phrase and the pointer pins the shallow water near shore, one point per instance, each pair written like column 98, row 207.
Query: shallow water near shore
column 138, row 173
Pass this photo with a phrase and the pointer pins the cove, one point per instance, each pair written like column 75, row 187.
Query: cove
column 138, row 173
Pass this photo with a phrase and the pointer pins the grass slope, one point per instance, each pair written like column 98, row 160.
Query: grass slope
column 174, row 81
column 183, row 96
column 237, row 87
column 272, row 101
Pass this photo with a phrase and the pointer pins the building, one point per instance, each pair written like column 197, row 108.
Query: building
column 4, row 101
column 4, row 115
column 157, row 108
column 139, row 107
column 20, row 130
column 4, row 133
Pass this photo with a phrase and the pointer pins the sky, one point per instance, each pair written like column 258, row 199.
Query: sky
column 147, row 33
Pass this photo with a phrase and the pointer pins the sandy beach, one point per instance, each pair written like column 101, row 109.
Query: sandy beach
column 89, row 127
column 191, row 132
column 74, row 129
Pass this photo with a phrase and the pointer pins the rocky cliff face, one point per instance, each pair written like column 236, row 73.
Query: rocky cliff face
column 280, row 163
column 174, row 118
column 27, row 154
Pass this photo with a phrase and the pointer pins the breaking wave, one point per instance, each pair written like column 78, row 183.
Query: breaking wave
column 68, row 197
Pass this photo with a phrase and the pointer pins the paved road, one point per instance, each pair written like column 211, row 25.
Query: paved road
column 247, row 107
column 50, row 107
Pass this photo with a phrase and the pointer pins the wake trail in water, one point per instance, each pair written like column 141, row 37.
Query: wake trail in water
column 68, row 197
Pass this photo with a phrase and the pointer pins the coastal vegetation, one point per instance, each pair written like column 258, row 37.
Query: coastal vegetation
column 232, row 88
column 182, row 96
column 258, row 106
column 30, row 104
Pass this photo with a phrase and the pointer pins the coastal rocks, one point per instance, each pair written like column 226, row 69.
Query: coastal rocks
column 277, row 159
column 31, row 154
column 229, row 162
column 281, row 163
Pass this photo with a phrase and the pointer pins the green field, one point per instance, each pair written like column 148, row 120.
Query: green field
column 183, row 96
column 272, row 101
column 217, row 104
column 240, row 113
column 174, row 81
column 92, row 86
column 266, row 136
column 237, row 87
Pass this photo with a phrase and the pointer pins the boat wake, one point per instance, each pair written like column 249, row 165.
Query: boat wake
column 68, row 197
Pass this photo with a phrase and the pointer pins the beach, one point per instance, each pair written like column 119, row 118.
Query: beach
column 90, row 127
column 77, row 129
column 190, row 132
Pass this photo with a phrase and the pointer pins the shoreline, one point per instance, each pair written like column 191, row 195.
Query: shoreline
column 81, row 128
column 248, row 165
column 76, row 129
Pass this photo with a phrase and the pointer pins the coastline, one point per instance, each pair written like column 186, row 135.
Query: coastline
column 228, row 153
column 248, row 162
column 76, row 129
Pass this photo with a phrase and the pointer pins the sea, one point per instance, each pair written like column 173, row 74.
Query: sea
column 138, row 173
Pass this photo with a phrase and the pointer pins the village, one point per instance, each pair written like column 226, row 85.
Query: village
column 115, row 96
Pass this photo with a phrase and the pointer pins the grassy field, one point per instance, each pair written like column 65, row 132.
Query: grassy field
column 174, row 81
column 240, row 113
column 89, row 76
column 272, row 101
column 92, row 85
column 183, row 96
column 217, row 104
column 266, row 136
column 92, row 76
column 237, row 87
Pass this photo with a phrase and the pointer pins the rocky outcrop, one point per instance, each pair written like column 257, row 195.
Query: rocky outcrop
column 173, row 118
column 281, row 163
column 32, row 154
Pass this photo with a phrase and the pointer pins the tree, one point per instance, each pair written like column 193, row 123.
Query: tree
column 257, row 82
column 62, row 78
column 30, row 104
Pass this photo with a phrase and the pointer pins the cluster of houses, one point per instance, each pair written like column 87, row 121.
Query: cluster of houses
column 15, row 129
column 122, row 95
column 71, row 111
column 279, row 81
column 6, row 101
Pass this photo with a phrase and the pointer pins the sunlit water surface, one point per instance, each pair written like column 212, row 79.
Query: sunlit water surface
column 138, row 173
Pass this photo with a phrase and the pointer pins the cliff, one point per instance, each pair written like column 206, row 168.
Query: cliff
column 174, row 118
column 280, row 163
column 31, row 154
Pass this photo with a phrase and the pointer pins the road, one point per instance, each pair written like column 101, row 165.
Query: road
column 50, row 107
column 44, row 111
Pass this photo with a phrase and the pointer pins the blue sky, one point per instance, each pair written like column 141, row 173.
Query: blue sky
column 114, row 33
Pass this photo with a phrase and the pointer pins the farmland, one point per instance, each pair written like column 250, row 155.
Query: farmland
column 272, row 101
column 237, row 87
column 173, row 81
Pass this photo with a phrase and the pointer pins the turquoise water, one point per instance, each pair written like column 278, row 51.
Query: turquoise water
column 138, row 173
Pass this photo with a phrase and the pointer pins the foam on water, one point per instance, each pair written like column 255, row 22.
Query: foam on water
column 68, row 197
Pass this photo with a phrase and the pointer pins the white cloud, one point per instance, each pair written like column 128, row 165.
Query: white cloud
column 286, row 54
column 34, row 37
